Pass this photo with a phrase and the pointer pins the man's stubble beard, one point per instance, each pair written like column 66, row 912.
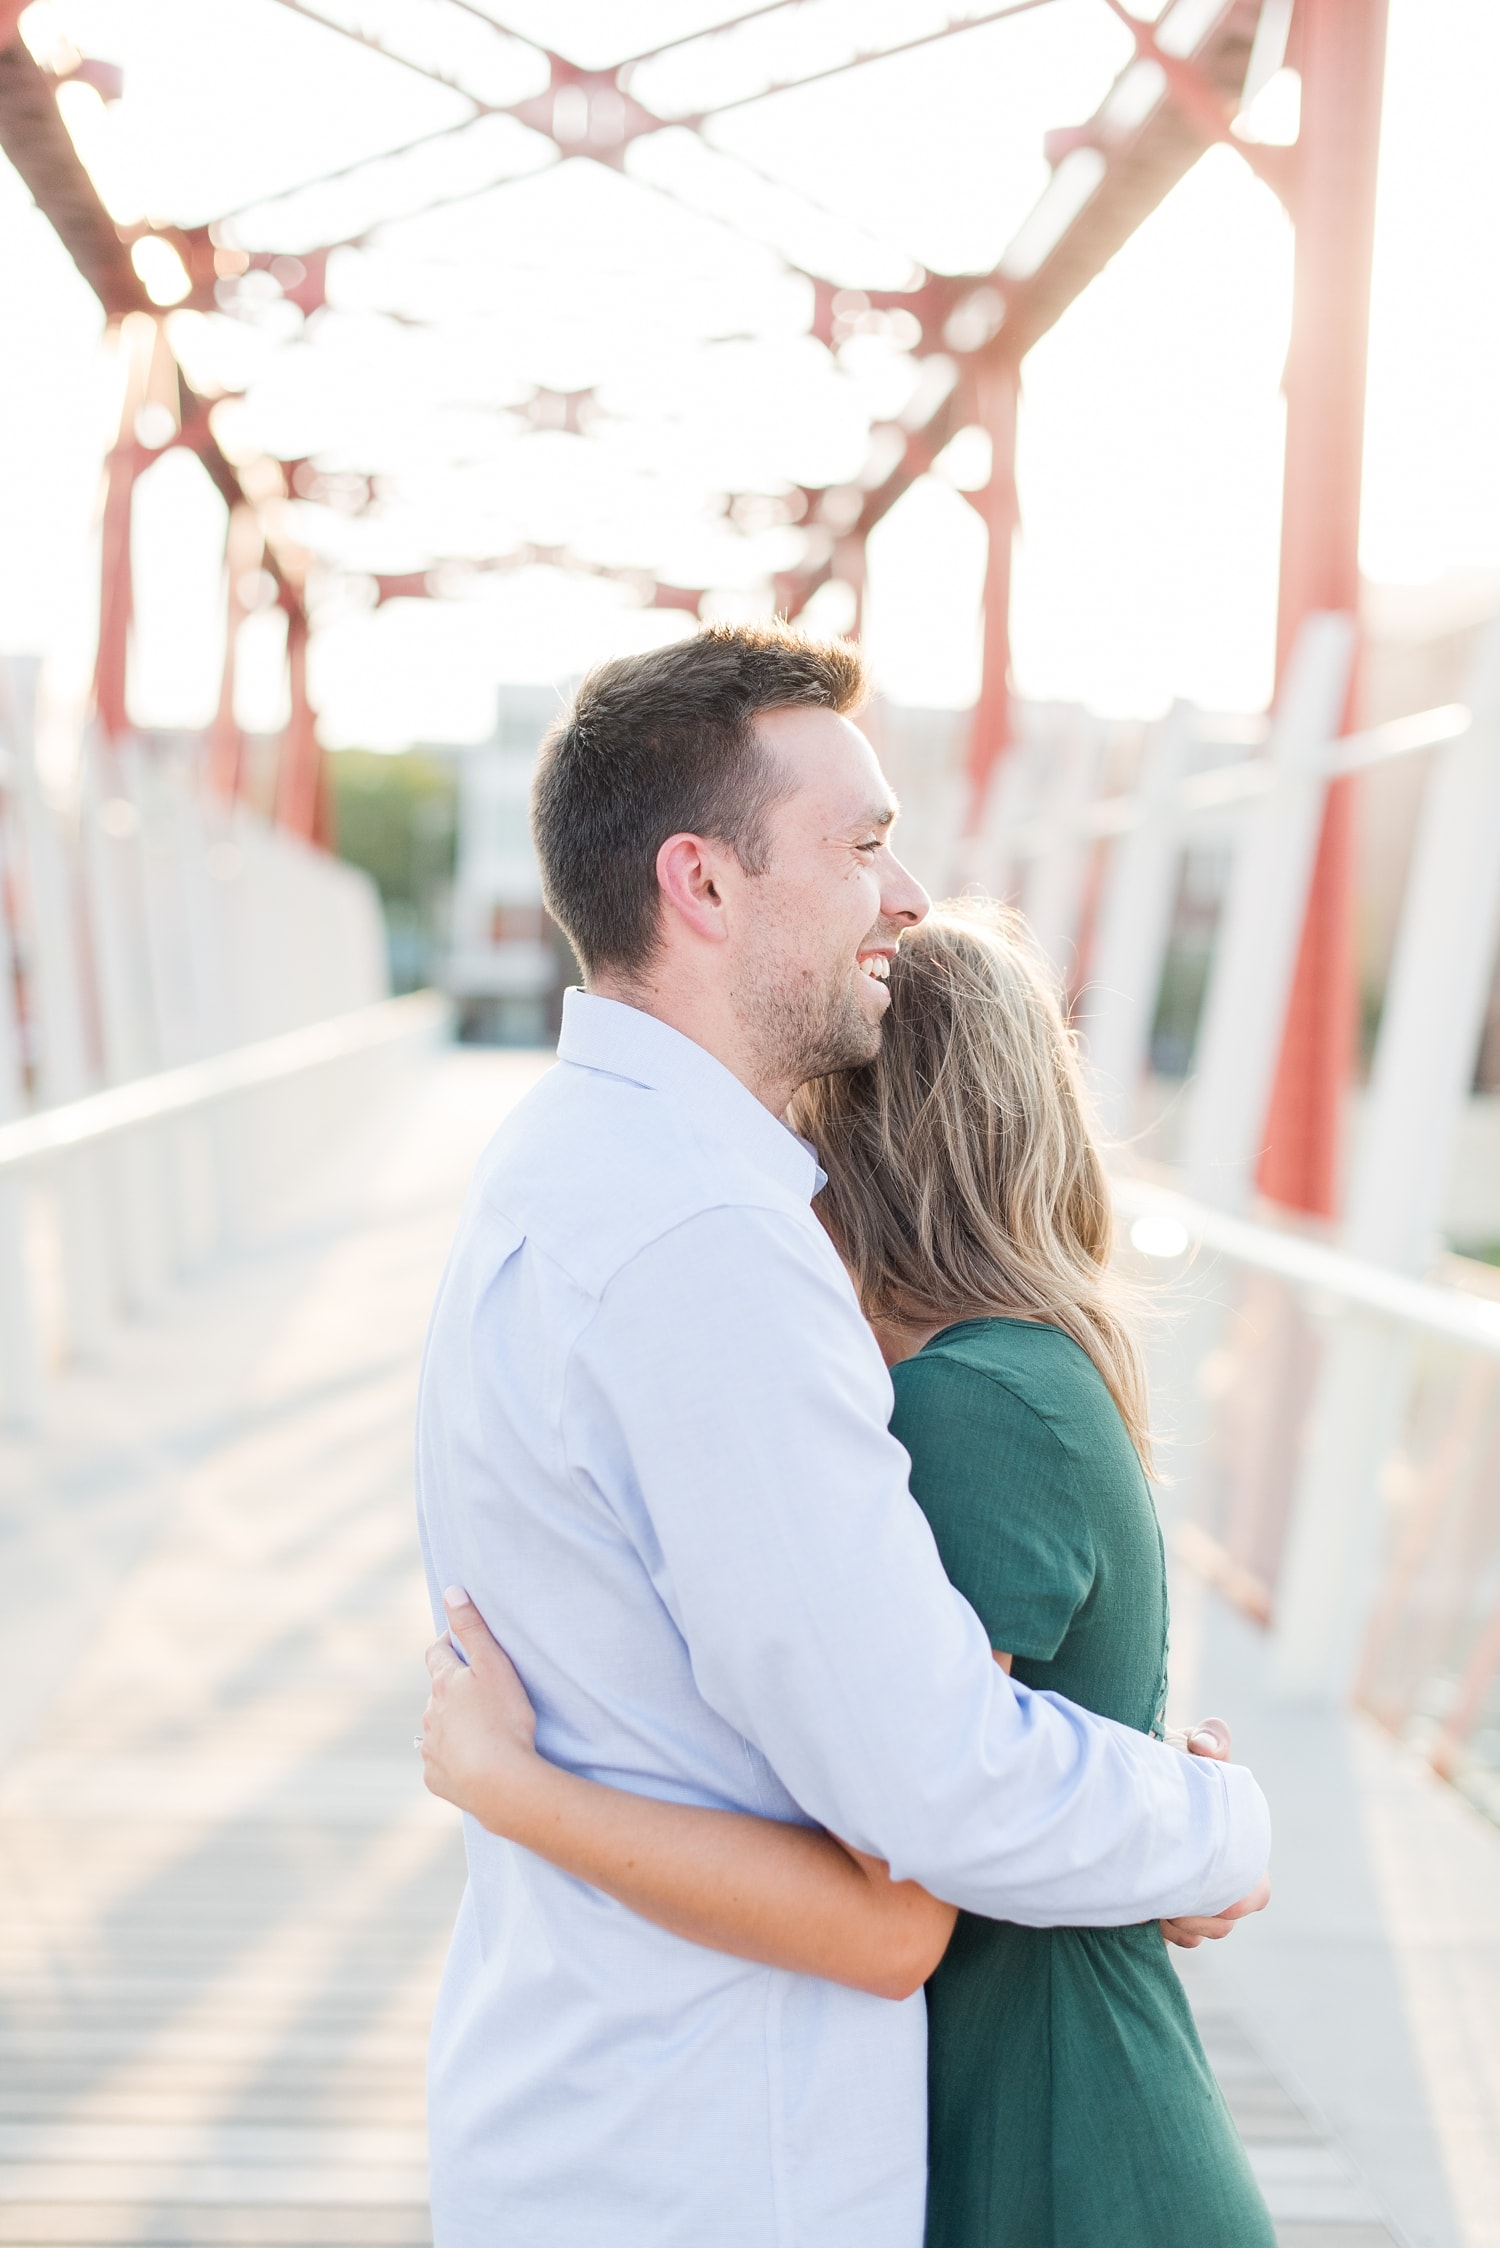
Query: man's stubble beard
column 803, row 1028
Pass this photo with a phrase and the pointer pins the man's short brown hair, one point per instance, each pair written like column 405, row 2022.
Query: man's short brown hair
column 665, row 744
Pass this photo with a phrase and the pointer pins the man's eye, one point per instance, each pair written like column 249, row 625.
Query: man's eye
column 876, row 843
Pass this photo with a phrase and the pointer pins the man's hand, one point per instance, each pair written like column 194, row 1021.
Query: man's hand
column 1211, row 1737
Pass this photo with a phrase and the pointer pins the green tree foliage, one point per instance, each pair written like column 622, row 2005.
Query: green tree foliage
column 396, row 817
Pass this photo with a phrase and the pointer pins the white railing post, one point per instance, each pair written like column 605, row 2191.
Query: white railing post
column 64, row 1071
column 1052, row 883
column 109, row 829
column 1005, row 807
column 1436, row 992
column 1260, row 925
column 1118, row 1003
column 1424, row 1061
column 21, row 1369
column 169, row 838
column 20, row 1353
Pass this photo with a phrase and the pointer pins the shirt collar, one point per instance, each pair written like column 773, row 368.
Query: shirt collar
column 605, row 1034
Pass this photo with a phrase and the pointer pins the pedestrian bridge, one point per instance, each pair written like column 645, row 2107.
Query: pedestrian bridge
column 229, row 1165
column 224, row 1895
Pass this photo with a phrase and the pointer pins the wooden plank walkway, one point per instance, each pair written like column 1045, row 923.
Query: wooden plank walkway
column 1370, row 1992
column 1315, row 2194
column 224, row 1895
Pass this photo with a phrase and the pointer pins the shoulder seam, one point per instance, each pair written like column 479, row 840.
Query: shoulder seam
column 1000, row 1381
column 1065, row 1447
column 761, row 1206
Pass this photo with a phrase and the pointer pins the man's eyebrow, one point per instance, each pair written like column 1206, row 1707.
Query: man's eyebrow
column 879, row 815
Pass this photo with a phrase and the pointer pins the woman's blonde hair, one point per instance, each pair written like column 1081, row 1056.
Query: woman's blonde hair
column 963, row 1178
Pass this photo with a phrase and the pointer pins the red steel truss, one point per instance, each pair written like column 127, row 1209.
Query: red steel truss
column 38, row 144
column 1179, row 94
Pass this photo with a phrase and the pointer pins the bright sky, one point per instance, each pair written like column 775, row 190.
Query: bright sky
column 1151, row 432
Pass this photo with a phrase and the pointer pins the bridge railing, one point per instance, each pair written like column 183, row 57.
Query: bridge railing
column 189, row 1003
column 1314, row 1375
column 1329, row 1442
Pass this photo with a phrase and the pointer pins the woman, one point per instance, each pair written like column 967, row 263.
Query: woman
column 1070, row 2102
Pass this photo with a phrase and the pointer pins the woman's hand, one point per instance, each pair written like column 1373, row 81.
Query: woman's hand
column 783, row 1895
column 479, row 1729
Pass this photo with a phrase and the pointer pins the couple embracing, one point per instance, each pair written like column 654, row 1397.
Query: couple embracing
column 781, row 1422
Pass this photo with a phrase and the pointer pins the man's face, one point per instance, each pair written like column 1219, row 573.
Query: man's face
column 812, row 937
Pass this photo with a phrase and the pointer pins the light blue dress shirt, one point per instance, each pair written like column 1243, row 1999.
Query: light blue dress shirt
column 652, row 1444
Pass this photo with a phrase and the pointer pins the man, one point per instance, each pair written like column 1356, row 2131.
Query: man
column 652, row 1445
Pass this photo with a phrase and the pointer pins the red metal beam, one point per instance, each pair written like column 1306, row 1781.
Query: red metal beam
column 1342, row 60
column 951, row 30
column 40, row 147
column 1206, row 105
column 593, row 113
column 998, row 391
column 243, row 550
column 149, row 377
column 298, row 771
column 116, row 586
column 426, row 584
column 1143, row 160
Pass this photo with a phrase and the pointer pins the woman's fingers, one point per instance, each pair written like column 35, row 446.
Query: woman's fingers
column 478, row 1729
column 1211, row 1737
column 479, row 1709
column 471, row 1634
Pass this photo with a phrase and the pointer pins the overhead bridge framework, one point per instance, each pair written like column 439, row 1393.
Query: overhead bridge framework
column 1192, row 73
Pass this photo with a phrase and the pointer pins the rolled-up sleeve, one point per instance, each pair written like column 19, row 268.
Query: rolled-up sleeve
column 738, row 1426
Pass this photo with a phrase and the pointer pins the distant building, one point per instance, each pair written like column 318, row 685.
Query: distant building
column 507, row 961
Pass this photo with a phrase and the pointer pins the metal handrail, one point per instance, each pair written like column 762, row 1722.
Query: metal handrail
column 1222, row 788
column 198, row 1085
column 1315, row 1266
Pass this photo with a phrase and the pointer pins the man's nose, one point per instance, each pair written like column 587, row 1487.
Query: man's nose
column 903, row 900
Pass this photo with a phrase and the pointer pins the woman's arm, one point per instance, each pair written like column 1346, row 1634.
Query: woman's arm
column 785, row 1896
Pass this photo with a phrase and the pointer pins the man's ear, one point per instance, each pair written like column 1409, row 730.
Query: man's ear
column 687, row 870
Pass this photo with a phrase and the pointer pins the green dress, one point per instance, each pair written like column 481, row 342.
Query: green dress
column 1071, row 2104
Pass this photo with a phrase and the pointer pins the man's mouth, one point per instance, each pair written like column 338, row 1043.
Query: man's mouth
column 876, row 965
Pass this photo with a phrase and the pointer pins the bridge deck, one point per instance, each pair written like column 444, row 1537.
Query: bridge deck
column 225, row 1893
column 224, row 1896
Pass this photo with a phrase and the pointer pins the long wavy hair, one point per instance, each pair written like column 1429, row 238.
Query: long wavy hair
column 963, row 1178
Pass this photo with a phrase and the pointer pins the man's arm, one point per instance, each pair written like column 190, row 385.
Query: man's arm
column 762, row 1889
column 728, row 1400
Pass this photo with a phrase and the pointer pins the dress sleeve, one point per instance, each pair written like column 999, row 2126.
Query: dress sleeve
column 1000, row 1491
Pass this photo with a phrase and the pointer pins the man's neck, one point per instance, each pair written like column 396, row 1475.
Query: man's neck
column 707, row 1022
